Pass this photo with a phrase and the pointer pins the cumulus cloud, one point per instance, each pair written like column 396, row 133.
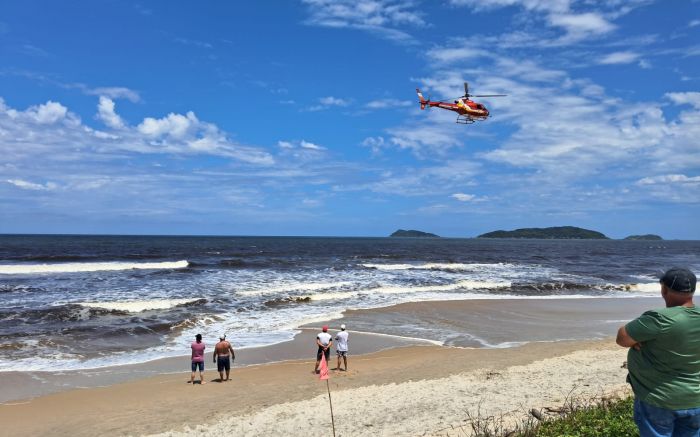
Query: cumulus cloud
column 47, row 113
column 105, row 112
column 52, row 128
column 689, row 98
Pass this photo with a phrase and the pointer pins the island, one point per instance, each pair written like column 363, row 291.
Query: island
column 559, row 232
column 413, row 234
column 644, row 237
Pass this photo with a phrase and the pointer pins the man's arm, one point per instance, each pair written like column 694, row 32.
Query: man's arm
column 624, row 339
column 233, row 354
column 215, row 353
column 330, row 343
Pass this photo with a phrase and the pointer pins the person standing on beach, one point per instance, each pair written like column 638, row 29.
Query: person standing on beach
column 341, row 346
column 223, row 357
column 664, row 360
column 324, row 341
column 198, row 358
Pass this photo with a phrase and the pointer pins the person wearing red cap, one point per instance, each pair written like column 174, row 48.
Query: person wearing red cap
column 324, row 342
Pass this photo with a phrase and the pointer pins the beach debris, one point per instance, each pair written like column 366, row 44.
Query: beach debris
column 537, row 414
column 492, row 374
column 624, row 365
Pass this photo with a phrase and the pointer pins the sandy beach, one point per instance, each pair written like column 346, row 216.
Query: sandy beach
column 402, row 389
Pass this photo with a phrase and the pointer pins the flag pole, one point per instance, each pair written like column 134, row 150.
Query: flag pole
column 331, row 404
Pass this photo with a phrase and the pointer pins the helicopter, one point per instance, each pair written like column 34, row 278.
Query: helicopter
column 468, row 111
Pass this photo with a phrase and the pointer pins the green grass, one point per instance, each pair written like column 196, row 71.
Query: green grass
column 603, row 419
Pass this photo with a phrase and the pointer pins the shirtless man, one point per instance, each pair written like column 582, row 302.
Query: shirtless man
column 222, row 358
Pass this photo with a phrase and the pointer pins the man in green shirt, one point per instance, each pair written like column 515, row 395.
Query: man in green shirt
column 664, row 361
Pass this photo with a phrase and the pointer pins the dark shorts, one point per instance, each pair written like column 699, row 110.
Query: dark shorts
column 320, row 351
column 341, row 353
column 199, row 364
column 223, row 363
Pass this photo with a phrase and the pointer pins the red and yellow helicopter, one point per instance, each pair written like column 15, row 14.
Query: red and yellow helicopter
column 468, row 111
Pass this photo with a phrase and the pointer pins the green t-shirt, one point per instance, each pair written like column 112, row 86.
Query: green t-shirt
column 666, row 371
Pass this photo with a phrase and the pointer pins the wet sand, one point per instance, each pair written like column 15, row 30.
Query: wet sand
column 156, row 397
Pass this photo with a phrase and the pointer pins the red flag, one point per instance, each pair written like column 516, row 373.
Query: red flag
column 324, row 367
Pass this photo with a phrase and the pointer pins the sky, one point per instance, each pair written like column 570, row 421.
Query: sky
column 300, row 117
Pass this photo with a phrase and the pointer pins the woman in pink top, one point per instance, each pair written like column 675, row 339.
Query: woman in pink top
column 198, row 358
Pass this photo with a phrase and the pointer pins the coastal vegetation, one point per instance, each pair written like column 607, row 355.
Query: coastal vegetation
column 559, row 232
column 604, row 417
column 651, row 237
column 413, row 234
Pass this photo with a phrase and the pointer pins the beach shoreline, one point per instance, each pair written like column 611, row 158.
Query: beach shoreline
column 505, row 323
column 155, row 397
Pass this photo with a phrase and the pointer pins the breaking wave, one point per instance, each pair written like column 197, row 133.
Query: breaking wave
column 21, row 269
column 138, row 306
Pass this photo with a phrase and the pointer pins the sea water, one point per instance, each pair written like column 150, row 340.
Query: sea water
column 73, row 302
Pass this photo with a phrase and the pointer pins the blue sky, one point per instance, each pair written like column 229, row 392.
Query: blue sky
column 300, row 117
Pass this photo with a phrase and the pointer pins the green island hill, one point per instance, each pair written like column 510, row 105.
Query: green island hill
column 650, row 237
column 559, row 232
column 413, row 234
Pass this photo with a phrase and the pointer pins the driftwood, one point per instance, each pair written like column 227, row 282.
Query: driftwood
column 537, row 415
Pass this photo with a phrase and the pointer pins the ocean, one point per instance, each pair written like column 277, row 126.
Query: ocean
column 79, row 302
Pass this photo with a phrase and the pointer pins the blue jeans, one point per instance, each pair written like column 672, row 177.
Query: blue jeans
column 659, row 422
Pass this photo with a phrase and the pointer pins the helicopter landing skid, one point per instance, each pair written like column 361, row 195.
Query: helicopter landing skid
column 463, row 119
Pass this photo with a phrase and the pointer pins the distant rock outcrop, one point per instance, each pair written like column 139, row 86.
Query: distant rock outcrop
column 644, row 237
column 413, row 234
column 559, row 232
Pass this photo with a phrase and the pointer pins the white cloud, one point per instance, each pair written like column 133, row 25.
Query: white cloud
column 307, row 145
column 48, row 113
column 328, row 102
column 387, row 103
column 105, row 112
column 462, row 197
column 689, row 98
column 173, row 125
column 333, row 101
column 619, row 58
column 694, row 23
column 581, row 25
column 50, row 129
column 381, row 17
column 25, row 185
column 670, row 179
column 113, row 93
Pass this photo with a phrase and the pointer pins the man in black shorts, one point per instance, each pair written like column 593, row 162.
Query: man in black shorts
column 324, row 342
column 223, row 356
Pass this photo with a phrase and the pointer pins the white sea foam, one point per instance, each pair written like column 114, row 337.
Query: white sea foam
column 137, row 306
column 466, row 284
column 441, row 266
column 332, row 296
column 19, row 269
column 645, row 287
column 300, row 286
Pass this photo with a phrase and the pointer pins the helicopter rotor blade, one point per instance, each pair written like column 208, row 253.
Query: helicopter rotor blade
column 466, row 90
column 491, row 95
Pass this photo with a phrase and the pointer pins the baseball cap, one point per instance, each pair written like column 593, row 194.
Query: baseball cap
column 342, row 327
column 325, row 328
column 679, row 279
column 222, row 337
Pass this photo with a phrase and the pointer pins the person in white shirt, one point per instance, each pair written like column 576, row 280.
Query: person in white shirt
column 341, row 346
column 324, row 342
